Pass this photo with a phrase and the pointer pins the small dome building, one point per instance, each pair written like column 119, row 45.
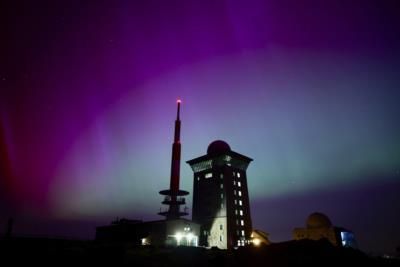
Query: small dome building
column 319, row 226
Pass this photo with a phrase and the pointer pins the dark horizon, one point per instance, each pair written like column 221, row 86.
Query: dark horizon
column 309, row 90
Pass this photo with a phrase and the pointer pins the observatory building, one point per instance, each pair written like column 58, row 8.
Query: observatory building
column 220, row 197
column 319, row 226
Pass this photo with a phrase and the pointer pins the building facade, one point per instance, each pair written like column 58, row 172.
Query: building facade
column 173, row 232
column 220, row 197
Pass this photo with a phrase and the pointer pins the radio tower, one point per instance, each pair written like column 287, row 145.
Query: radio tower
column 174, row 196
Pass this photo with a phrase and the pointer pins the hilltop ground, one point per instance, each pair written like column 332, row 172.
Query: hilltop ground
column 69, row 252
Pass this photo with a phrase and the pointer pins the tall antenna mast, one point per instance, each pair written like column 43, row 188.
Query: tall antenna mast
column 173, row 195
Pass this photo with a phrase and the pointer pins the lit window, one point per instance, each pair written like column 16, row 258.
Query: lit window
column 235, row 202
column 234, row 192
column 241, row 222
column 239, row 184
column 240, row 202
column 198, row 178
column 234, row 174
column 221, row 227
column 241, row 212
column 238, row 174
column 222, row 186
column 221, row 176
column 222, row 196
column 234, row 183
column 208, row 175
column 236, row 212
column 222, row 205
column 242, row 232
column 240, row 193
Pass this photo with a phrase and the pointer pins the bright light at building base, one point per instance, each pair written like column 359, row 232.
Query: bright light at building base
column 186, row 239
column 178, row 237
column 256, row 242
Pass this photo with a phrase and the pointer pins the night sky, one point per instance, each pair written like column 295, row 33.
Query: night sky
column 309, row 89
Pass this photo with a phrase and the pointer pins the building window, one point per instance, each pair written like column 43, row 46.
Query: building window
column 242, row 232
column 237, row 222
column 222, row 196
column 208, row 175
column 222, row 205
column 222, row 186
column 241, row 212
column 234, row 192
column 234, row 174
column 236, row 212
column 238, row 174
column 235, row 202
column 241, row 222
column 240, row 193
column 221, row 227
column 198, row 178
column 240, row 202
column 234, row 183
column 237, row 232
column 221, row 176
column 204, row 232
column 239, row 184
column 220, row 238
